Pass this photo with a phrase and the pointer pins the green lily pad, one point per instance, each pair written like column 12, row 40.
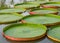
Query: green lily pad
column 44, row 10
column 6, row 18
column 54, row 32
column 27, row 5
column 12, row 10
column 55, row 1
column 52, row 4
column 44, row 19
column 24, row 30
column 38, row 2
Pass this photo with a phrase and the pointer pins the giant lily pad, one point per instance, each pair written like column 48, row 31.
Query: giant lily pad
column 54, row 0
column 12, row 10
column 44, row 11
column 54, row 33
column 24, row 32
column 37, row 2
column 51, row 5
column 47, row 19
column 7, row 18
column 27, row 5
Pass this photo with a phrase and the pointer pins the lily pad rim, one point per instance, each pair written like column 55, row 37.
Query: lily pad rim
column 11, row 25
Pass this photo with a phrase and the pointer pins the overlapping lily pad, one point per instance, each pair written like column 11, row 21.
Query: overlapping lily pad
column 27, row 5
column 7, row 18
column 51, row 5
column 47, row 19
column 44, row 11
column 13, row 10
